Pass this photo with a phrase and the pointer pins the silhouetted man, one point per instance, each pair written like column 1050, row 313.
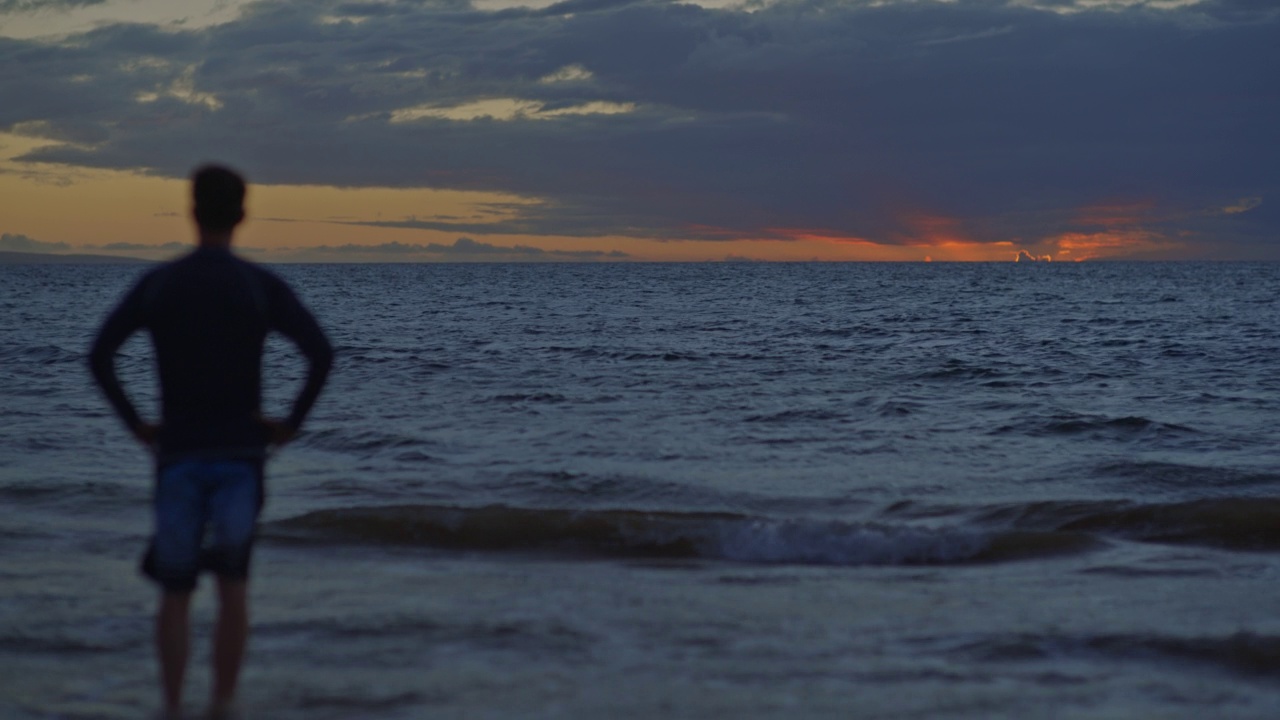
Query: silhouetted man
column 208, row 314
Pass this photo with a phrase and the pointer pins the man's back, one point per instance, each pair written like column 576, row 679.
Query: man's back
column 209, row 314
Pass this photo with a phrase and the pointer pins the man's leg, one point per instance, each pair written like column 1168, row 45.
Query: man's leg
column 230, row 637
column 234, row 505
column 173, row 561
column 173, row 635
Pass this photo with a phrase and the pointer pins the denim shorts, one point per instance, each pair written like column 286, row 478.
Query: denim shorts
column 206, row 512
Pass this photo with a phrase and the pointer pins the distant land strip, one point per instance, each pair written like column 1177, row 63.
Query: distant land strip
column 28, row 258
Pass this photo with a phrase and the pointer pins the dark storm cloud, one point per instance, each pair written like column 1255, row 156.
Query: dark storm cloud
column 845, row 117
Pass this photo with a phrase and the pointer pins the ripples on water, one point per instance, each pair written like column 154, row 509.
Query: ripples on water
column 657, row 384
column 945, row 417
column 782, row 392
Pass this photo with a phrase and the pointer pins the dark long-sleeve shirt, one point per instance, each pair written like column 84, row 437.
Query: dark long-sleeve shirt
column 209, row 314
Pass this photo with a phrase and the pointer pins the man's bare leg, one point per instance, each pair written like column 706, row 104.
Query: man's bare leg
column 229, row 640
column 173, row 635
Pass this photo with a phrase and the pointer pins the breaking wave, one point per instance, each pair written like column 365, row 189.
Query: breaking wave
column 630, row 533
column 992, row 534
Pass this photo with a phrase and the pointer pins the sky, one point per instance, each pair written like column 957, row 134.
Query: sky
column 646, row 130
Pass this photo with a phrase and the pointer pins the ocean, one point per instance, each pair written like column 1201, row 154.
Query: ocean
column 729, row 490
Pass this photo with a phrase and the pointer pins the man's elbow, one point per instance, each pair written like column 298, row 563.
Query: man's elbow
column 322, row 360
column 99, row 361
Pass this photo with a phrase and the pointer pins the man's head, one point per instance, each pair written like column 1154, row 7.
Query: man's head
column 218, row 194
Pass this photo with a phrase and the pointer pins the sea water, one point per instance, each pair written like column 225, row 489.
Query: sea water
column 690, row 491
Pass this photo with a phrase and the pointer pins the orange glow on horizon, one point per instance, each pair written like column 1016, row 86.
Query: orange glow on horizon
column 73, row 209
column 1125, row 232
column 1113, row 244
column 933, row 238
column 947, row 239
column 818, row 235
column 1116, row 214
column 935, row 230
column 938, row 239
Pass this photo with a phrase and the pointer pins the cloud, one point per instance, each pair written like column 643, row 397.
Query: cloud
column 674, row 121
column 136, row 247
column 464, row 248
column 22, row 243
column 1243, row 205
column 1115, row 244
column 391, row 248
column 507, row 109
column 26, row 6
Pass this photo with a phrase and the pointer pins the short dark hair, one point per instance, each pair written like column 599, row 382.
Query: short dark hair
column 218, row 193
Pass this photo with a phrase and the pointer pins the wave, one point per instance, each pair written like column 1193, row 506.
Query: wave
column 1100, row 427
column 634, row 533
column 790, row 416
column 1243, row 653
column 70, row 491
column 357, row 441
column 1149, row 476
column 960, row 371
column 1236, row 523
column 61, row 644
column 42, row 355
column 550, row 398
column 902, row 534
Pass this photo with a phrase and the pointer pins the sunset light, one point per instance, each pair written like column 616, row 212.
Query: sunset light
column 534, row 131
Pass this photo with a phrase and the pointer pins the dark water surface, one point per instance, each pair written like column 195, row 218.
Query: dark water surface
column 711, row 491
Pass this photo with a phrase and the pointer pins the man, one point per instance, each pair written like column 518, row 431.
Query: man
column 208, row 314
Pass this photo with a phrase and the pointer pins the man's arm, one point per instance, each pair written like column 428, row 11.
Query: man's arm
column 296, row 323
column 123, row 322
